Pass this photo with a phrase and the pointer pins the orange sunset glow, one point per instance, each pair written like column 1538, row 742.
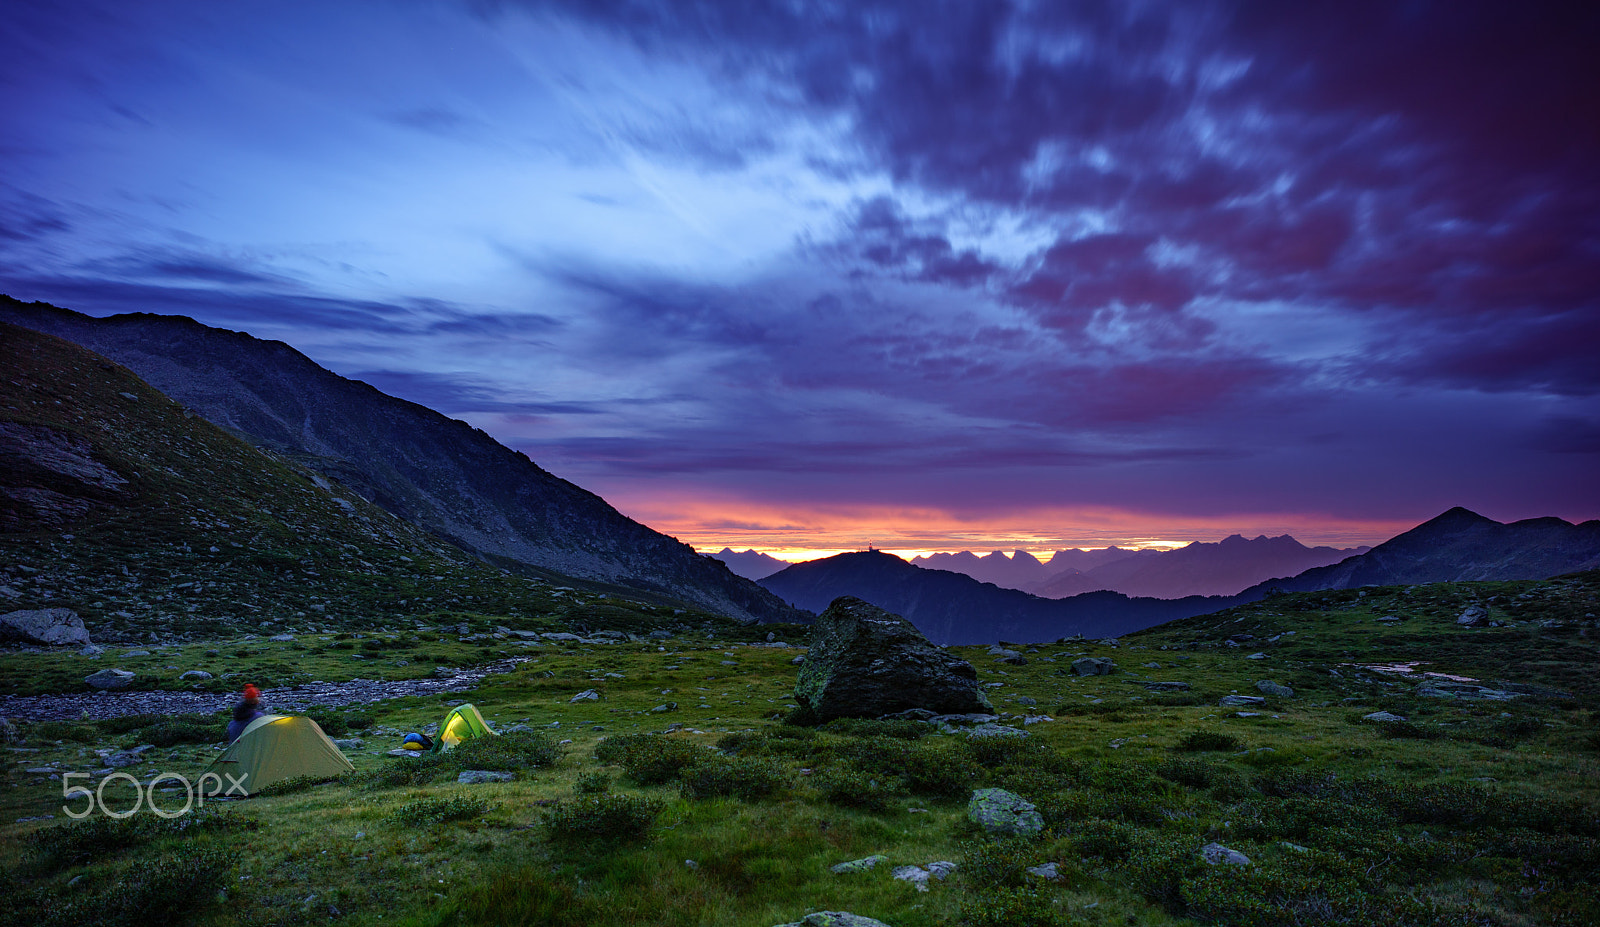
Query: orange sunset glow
column 794, row 534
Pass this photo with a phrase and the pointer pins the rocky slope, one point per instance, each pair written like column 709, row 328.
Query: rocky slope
column 952, row 608
column 144, row 518
column 1458, row 546
column 435, row 472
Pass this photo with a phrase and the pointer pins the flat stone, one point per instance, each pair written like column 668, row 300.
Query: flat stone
column 1093, row 666
column 478, row 776
column 1382, row 717
column 835, row 919
column 857, row 865
column 196, row 674
column 1215, row 854
column 1167, row 686
column 1233, row 700
column 110, row 679
column 1001, row 812
column 1046, row 871
column 587, row 695
column 995, row 730
column 1268, row 687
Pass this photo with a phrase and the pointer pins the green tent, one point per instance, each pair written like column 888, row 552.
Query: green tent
column 464, row 722
column 277, row 747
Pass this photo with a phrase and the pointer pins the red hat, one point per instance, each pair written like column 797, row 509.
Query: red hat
column 251, row 693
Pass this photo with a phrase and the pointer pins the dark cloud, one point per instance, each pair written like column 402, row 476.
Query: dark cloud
column 461, row 394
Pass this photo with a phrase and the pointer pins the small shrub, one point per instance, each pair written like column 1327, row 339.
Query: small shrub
column 426, row 812
column 1197, row 774
column 102, row 836
column 1406, row 730
column 1028, row 906
column 1204, row 741
column 849, row 786
column 607, row 816
column 173, row 732
column 160, row 890
column 507, row 752
column 406, row 771
column 748, row 778
column 63, row 730
column 594, row 783
column 649, row 759
column 1111, row 841
column 939, row 771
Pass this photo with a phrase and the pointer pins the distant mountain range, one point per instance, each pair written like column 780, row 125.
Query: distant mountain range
column 949, row 607
column 751, row 564
column 1222, row 568
column 438, row 473
column 953, row 608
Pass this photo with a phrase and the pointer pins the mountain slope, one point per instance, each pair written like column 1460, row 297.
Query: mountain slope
column 952, row 608
column 1459, row 546
column 436, row 472
column 1222, row 568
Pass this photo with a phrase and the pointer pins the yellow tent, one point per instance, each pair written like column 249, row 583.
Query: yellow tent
column 464, row 722
column 277, row 747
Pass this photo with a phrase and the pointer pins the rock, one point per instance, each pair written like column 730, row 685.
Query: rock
column 91, row 650
column 9, row 733
column 442, row 672
column 1256, row 656
column 1018, row 660
column 136, row 653
column 1216, row 854
column 835, row 919
column 941, row 869
column 123, row 758
column 1463, row 690
column 910, row 714
column 1473, row 616
column 411, row 753
column 52, row 626
column 1268, row 687
column 1000, row 812
column 798, row 660
column 1093, row 666
column 919, row 876
column 858, row 865
column 587, row 695
column 1046, row 871
column 865, row 662
column 281, row 638
column 665, row 707
column 995, row 730
column 561, row 636
column 1026, row 701
column 1382, row 717
column 196, row 674
column 659, row 634
column 109, row 679
column 1232, row 700
column 478, row 776
column 1167, row 686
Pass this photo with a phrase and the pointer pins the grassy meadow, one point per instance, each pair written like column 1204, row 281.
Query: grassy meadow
column 680, row 796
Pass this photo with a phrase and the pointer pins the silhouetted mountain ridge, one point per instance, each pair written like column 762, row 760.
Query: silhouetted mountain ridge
column 436, row 472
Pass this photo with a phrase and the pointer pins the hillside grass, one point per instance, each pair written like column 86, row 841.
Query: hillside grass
column 1480, row 813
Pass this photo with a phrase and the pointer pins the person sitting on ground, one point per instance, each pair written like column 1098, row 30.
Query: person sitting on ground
column 246, row 711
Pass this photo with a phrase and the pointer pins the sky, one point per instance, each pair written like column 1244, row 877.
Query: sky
column 927, row 275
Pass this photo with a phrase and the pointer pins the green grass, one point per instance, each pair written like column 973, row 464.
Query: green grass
column 1491, row 818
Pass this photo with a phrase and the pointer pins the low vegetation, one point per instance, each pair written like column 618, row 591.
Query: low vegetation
column 1470, row 811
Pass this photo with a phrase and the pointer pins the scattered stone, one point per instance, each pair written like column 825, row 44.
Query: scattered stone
column 196, row 674
column 411, row 753
column 919, row 876
column 1382, row 717
column 1228, row 701
column 1047, row 871
column 1215, row 854
column 1268, row 687
column 123, row 758
column 479, row 776
column 1443, row 689
column 995, row 730
column 1390, row 618
column 281, row 638
column 665, row 707
column 587, row 695
column 1093, row 666
column 561, row 636
column 910, row 714
column 865, row 662
column 1473, row 616
column 1167, row 686
column 1256, row 656
column 1247, row 714
column 136, row 653
column 835, row 919
column 91, row 650
column 110, row 679
column 51, row 626
column 1000, row 812
column 858, row 865
column 657, row 634
column 9, row 733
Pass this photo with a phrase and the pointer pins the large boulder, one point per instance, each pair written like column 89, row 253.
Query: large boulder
column 1004, row 813
column 60, row 626
column 865, row 662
